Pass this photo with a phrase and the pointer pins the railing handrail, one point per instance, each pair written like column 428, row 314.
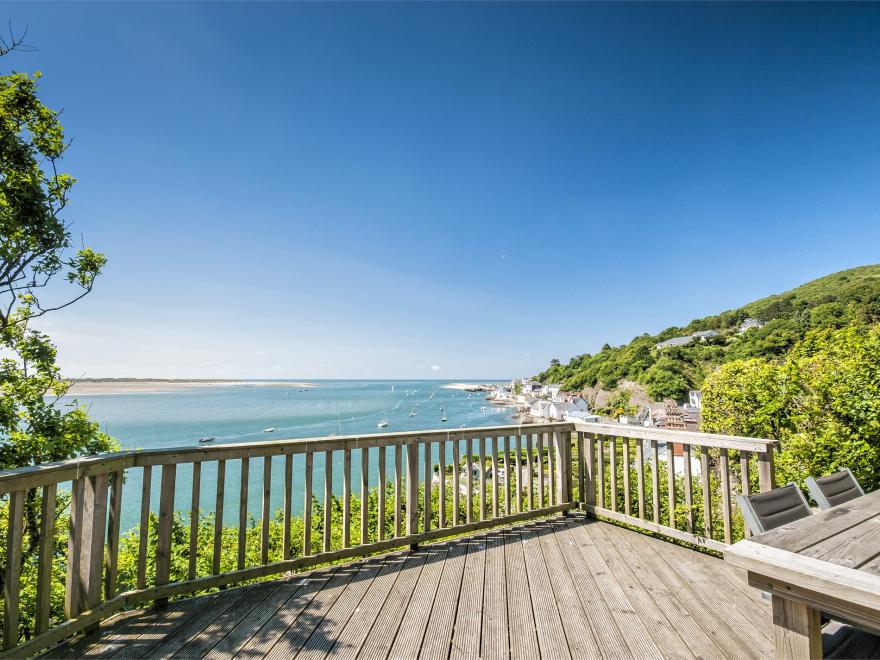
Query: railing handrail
column 715, row 440
column 34, row 476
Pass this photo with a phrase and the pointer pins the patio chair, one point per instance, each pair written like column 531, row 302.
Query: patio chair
column 765, row 511
column 834, row 489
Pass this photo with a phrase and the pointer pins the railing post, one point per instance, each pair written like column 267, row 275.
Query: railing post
column 412, row 491
column 765, row 469
column 163, row 544
column 13, row 569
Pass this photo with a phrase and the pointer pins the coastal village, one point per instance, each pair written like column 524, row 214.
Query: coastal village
column 537, row 402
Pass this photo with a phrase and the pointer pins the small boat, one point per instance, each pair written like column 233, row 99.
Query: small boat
column 209, row 438
column 269, row 430
column 412, row 413
column 384, row 421
column 432, row 393
column 442, row 414
column 482, row 408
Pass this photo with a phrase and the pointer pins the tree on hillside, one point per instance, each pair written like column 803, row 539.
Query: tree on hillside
column 822, row 401
column 35, row 251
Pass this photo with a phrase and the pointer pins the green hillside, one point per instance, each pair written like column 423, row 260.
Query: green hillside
column 830, row 301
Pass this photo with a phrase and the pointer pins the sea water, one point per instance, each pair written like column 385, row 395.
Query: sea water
column 239, row 413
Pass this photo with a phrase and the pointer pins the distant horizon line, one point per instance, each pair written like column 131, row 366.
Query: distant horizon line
column 157, row 379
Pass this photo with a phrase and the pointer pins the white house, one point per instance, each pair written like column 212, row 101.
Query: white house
column 580, row 403
column 750, row 323
column 540, row 408
column 558, row 409
column 695, row 398
column 578, row 416
column 551, row 391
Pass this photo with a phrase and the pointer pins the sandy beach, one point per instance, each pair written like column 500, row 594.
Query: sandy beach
column 146, row 385
column 463, row 386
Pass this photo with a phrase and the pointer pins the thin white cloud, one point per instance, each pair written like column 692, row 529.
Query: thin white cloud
column 435, row 367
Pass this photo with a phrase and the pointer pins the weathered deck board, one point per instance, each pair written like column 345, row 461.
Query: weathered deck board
column 557, row 589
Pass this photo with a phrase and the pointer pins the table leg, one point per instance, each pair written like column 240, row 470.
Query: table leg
column 797, row 630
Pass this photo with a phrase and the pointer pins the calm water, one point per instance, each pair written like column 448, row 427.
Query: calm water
column 239, row 413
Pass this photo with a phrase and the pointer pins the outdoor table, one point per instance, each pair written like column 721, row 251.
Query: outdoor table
column 828, row 562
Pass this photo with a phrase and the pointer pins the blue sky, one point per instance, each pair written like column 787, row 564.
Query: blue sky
column 372, row 190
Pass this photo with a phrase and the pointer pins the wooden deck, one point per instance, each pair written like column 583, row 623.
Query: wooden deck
column 564, row 587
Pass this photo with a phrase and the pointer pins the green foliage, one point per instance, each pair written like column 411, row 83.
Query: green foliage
column 618, row 405
column 851, row 296
column 822, row 401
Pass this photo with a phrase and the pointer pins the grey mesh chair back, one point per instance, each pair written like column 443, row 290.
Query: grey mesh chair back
column 764, row 511
column 834, row 489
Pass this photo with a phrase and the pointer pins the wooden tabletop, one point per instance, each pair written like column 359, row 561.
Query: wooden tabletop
column 830, row 560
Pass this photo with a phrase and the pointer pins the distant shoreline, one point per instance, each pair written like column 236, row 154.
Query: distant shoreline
column 93, row 386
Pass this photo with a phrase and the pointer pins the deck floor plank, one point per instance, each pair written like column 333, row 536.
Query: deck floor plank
column 495, row 642
column 378, row 643
column 523, row 637
column 558, row 588
column 427, row 591
column 433, row 619
column 466, row 634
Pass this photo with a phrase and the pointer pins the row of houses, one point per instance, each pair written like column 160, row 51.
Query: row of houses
column 707, row 335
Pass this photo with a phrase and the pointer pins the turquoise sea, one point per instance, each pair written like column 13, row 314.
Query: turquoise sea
column 239, row 413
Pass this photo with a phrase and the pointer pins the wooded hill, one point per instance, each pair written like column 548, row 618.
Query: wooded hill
column 831, row 301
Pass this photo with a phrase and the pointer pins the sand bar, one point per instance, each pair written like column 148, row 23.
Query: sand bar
column 147, row 386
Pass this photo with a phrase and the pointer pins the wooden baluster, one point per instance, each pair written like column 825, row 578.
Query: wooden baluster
column 398, row 490
column 470, row 481
column 94, row 533
column 456, row 477
column 426, row 505
column 307, row 504
column 655, row 480
column 194, row 519
column 540, row 461
column 265, row 510
column 412, row 488
column 111, row 558
column 670, row 486
column 589, row 492
column 11, row 587
column 346, row 498
column 581, row 468
column 725, row 496
column 495, row 477
column 218, row 517
column 640, row 475
column 518, row 468
column 144, row 530
column 365, row 495
column 766, row 475
column 744, row 471
column 482, row 443
column 612, row 442
column 441, row 471
column 706, row 478
column 688, row 487
column 550, row 445
column 287, row 507
column 46, row 552
column 380, row 523
column 166, row 514
column 507, row 477
column 600, row 453
column 627, row 504
column 530, row 468
column 328, row 498
column 242, row 511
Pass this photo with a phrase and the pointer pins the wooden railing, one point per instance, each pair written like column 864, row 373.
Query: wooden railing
column 537, row 481
column 621, row 476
